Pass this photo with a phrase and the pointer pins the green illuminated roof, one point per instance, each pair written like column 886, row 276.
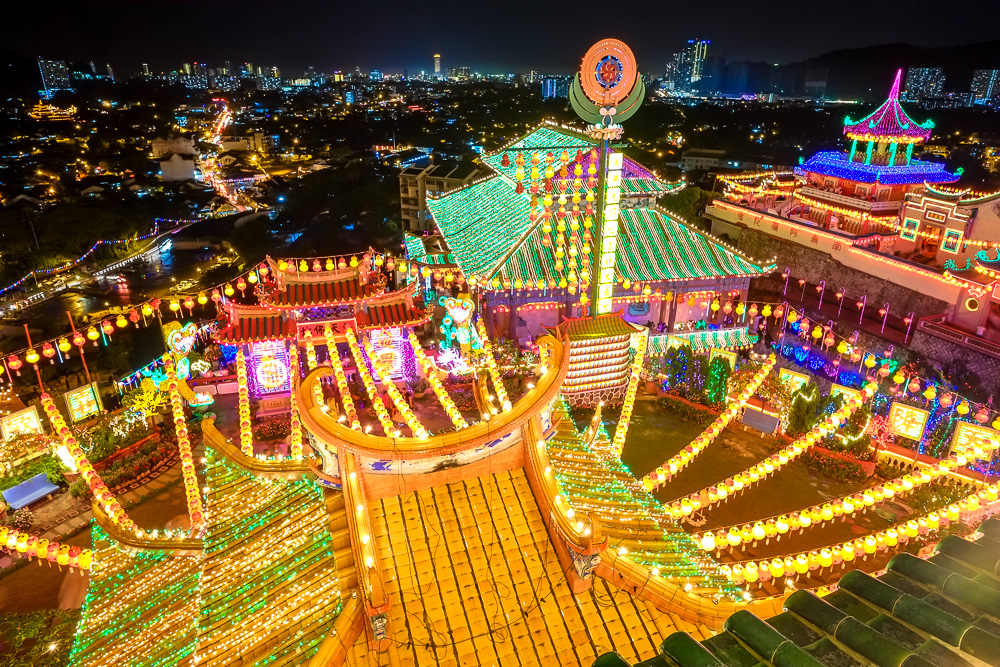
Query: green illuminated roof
column 703, row 340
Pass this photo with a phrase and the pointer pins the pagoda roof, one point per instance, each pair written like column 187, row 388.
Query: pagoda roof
column 558, row 139
column 600, row 326
column 319, row 293
column 489, row 233
column 889, row 122
column 723, row 339
column 387, row 315
column 253, row 326
column 836, row 164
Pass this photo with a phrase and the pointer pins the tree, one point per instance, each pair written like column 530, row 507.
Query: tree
column 717, row 383
column 808, row 408
column 146, row 399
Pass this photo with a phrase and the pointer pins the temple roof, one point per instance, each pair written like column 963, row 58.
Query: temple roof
column 601, row 326
column 568, row 147
column 490, row 234
column 836, row 164
column 251, row 326
column 889, row 122
column 389, row 315
column 303, row 294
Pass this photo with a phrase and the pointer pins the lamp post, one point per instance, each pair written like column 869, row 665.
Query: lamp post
column 861, row 306
column 786, row 274
column 840, row 301
column 802, row 284
column 884, row 312
column 908, row 320
column 821, row 288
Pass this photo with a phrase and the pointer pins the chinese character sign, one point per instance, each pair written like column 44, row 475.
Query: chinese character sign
column 907, row 421
column 20, row 423
column 846, row 392
column 83, row 402
column 793, row 380
column 974, row 441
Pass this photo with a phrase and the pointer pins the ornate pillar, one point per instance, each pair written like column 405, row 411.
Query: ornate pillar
column 854, row 149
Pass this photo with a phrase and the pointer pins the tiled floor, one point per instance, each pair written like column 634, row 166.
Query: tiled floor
column 474, row 580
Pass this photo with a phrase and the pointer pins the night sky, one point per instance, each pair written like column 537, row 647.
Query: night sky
column 491, row 36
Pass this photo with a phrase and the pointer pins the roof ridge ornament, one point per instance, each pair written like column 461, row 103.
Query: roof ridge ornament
column 608, row 88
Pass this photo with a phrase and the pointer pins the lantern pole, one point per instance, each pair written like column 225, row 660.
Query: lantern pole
column 909, row 324
column 840, row 299
column 83, row 357
column 821, row 288
column 864, row 302
column 885, row 316
column 38, row 373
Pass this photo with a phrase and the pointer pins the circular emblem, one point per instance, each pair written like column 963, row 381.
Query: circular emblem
column 608, row 72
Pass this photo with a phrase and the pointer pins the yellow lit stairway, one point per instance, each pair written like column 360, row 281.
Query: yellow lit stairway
column 474, row 580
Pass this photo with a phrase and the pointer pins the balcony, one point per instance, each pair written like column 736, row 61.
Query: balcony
column 850, row 202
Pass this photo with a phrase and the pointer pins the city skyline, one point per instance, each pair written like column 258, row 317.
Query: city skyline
column 148, row 33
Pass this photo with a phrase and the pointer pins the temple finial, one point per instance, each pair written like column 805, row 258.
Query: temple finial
column 894, row 93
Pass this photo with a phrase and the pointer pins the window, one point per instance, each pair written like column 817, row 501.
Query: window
column 909, row 230
column 952, row 239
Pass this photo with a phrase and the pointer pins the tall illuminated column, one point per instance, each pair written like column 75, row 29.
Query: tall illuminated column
column 606, row 92
column 609, row 198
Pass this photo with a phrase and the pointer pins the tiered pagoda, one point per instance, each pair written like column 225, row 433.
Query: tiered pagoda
column 862, row 190
column 524, row 236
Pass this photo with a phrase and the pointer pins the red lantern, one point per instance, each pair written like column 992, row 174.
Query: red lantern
column 78, row 339
column 48, row 352
column 14, row 363
column 133, row 316
column 107, row 327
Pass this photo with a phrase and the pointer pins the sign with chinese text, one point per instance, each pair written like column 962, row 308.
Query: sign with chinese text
column 83, row 402
column 907, row 421
column 793, row 379
column 724, row 354
column 846, row 392
column 20, row 423
column 970, row 437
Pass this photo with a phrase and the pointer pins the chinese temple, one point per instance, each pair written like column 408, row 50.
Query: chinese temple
column 524, row 236
column 862, row 190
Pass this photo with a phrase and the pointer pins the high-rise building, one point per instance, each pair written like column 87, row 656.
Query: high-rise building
column 555, row 87
column 697, row 51
column 110, row 72
column 464, row 73
column 145, row 69
column 985, row 86
column 437, row 64
column 55, row 75
column 375, row 75
column 275, row 73
column 924, row 82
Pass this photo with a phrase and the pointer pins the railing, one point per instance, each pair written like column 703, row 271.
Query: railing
column 935, row 326
column 333, row 434
column 280, row 468
column 853, row 202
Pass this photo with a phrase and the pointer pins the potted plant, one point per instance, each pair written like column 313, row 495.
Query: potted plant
column 419, row 387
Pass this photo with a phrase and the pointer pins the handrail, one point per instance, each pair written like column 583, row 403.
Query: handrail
column 370, row 586
column 348, row 627
column 177, row 546
column 331, row 432
column 272, row 468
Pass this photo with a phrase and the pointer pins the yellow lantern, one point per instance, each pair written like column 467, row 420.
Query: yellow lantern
column 228, row 290
column 92, row 333
column 31, row 356
column 147, row 309
column 202, row 299
column 64, row 345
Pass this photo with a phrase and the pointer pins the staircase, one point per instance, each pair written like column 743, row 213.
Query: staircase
column 341, row 543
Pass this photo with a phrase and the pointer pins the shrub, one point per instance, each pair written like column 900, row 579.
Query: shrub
column 839, row 469
column 686, row 411
column 48, row 464
column 20, row 520
column 277, row 427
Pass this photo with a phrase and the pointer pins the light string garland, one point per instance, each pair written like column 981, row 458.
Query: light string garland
column 633, row 386
column 711, row 495
column 246, row 425
column 196, row 511
column 442, row 394
column 388, row 427
column 975, row 507
column 351, row 414
column 775, row 526
column 100, row 490
column 494, row 370
column 295, row 437
column 416, row 428
column 679, row 461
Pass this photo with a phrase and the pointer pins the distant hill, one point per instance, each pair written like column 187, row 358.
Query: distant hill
column 866, row 73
